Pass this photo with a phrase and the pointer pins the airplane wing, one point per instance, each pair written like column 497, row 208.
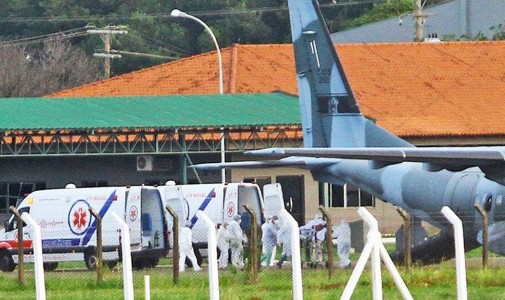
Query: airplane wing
column 491, row 160
column 471, row 156
column 300, row 162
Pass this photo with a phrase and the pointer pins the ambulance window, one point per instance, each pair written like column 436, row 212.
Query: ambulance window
column 13, row 221
column 9, row 223
column 24, row 209
column 250, row 196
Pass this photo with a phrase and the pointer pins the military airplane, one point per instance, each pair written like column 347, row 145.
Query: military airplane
column 342, row 146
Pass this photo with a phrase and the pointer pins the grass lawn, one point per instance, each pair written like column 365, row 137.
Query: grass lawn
column 425, row 282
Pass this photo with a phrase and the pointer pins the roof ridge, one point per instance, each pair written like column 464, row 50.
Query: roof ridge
column 136, row 72
column 233, row 68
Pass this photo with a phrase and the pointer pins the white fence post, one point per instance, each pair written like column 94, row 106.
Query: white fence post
column 212, row 255
column 374, row 237
column 40, row 284
column 459, row 246
column 147, row 287
column 126, row 257
column 375, row 248
column 296, row 262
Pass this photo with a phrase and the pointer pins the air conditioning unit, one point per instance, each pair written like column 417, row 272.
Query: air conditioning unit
column 145, row 163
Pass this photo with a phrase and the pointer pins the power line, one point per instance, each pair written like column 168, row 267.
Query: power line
column 67, row 34
column 144, row 54
column 88, row 30
column 107, row 33
column 226, row 12
column 159, row 43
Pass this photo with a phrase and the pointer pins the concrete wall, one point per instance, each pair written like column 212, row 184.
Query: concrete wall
column 458, row 17
column 56, row 172
column 115, row 170
column 387, row 216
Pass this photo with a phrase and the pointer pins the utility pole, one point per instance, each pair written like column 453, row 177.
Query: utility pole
column 419, row 17
column 106, row 33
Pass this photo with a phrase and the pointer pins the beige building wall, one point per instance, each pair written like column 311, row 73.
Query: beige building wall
column 386, row 214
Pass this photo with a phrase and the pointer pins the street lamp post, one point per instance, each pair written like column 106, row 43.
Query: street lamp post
column 180, row 14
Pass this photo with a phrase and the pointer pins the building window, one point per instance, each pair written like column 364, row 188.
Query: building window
column 11, row 193
column 260, row 181
column 94, row 183
column 347, row 195
column 154, row 182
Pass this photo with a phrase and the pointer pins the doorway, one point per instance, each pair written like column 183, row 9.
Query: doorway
column 293, row 191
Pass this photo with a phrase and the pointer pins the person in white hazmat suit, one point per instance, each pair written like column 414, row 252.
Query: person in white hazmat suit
column 223, row 245
column 284, row 239
column 269, row 239
column 263, row 247
column 186, row 248
column 236, row 238
column 343, row 235
column 313, row 234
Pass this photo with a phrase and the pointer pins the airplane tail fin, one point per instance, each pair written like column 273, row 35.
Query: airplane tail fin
column 330, row 114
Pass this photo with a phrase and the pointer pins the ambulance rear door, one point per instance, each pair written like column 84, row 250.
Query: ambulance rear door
column 230, row 203
column 173, row 197
column 132, row 215
column 273, row 199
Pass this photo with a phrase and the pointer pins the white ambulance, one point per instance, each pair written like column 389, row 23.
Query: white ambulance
column 221, row 202
column 69, row 230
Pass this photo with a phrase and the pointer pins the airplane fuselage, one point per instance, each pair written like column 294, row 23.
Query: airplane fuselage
column 421, row 192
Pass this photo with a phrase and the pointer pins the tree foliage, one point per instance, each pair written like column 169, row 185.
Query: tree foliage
column 55, row 66
column 151, row 30
column 499, row 31
column 498, row 34
column 381, row 11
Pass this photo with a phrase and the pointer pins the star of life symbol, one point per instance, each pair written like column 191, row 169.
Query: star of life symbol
column 79, row 217
column 230, row 209
column 133, row 212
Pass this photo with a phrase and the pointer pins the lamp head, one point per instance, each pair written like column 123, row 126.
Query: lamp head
column 176, row 13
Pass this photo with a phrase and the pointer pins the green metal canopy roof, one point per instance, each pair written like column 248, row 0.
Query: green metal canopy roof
column 149, row 112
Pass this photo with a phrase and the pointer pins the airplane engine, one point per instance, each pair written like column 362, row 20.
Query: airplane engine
column 494, row 206
column 496, row 238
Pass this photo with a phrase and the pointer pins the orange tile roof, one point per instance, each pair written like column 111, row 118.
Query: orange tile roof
column 411, row 89
column 246, row 69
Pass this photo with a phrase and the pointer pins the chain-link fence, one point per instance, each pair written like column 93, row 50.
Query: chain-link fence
column 243, row 269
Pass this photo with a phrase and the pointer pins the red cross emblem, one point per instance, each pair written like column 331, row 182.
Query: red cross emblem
column 230, row 209
column 80, row 218
column 133, row 213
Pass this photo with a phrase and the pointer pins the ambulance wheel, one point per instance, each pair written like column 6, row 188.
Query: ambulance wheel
column 90, row 259
column 139, row 263
column 6, row 262
column 152, row 262
column 111, row 264
column 50, row 266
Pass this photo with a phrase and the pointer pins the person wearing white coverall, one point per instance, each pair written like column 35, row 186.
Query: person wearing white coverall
column 236, row 238
column 223, row 245
column 343, row 235
column 186, row 248
column 284, row 239
column 313, row 233
column 269, row 239
column 263, row 231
